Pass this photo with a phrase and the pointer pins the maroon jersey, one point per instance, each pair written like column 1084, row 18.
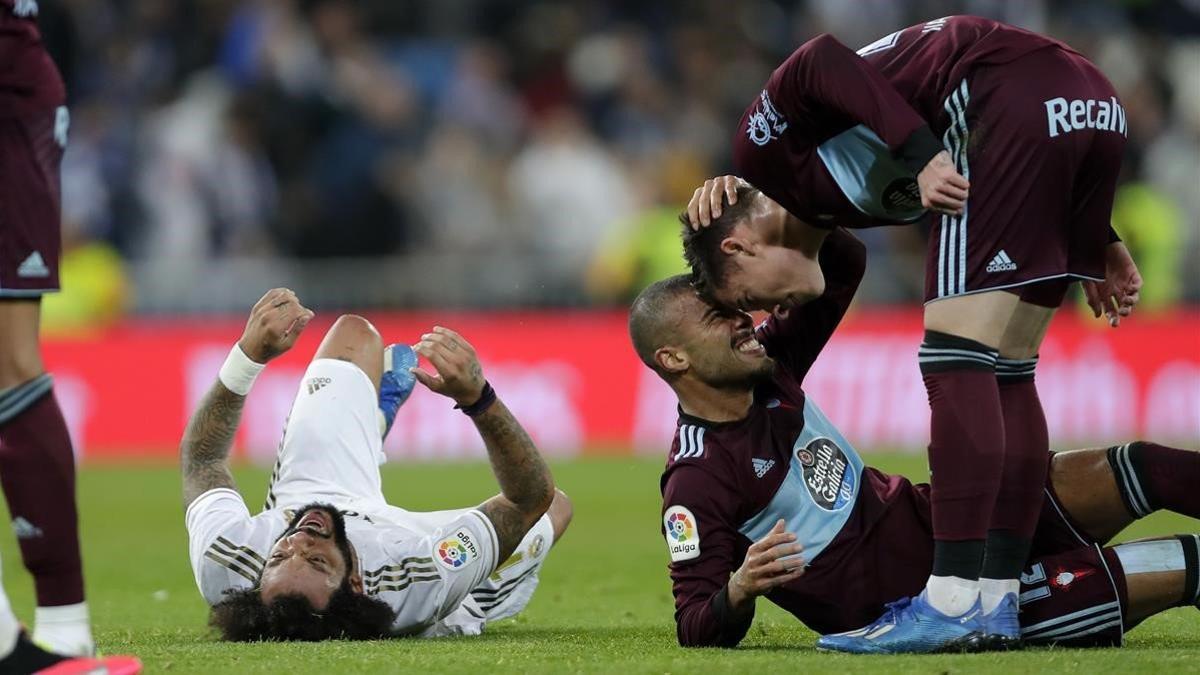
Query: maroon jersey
column 725, row 482
column 837, row 137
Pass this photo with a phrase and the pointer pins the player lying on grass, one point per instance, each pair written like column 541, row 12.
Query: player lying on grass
column 763, row 496
column 328, row 557
column 875, row 138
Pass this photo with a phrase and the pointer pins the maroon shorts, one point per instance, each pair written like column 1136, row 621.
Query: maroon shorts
column 33, row 133
column 1040, row 139
column 1073, row 592
column 30, row 233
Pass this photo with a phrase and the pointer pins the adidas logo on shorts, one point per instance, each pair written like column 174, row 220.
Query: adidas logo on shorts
column 33, row 266
column 1001, row 263
column 315, row 384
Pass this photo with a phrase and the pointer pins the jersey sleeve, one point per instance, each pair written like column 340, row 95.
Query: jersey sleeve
column 826, row 82
column 796, row 341
column 431, row 576
column 704, row 548
column 218, row 525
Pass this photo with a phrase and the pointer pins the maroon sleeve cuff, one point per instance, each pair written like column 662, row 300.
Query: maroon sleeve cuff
column 732, row 626
column 920, row 147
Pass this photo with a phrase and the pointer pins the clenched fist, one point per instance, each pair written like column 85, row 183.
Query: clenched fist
column 275, row 323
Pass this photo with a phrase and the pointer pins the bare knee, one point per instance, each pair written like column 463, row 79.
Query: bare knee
column 20, row 352
column 352, row 338
column 561, row 511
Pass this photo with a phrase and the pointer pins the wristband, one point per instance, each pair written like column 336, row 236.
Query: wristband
column 486, row 398
column 239, row 371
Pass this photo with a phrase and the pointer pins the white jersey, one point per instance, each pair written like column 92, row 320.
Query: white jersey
column 437, row 570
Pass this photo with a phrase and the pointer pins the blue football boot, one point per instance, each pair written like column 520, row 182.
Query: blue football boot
column 397, row 382
column 911, row 626
column 1001, row 628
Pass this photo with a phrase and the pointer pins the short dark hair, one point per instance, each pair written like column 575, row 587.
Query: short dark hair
column 651, row 315
column 243, row 617
column 702, row 247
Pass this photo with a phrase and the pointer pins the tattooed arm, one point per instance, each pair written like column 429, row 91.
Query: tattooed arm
column 526, row 486
column 274, row 324
column 204, row 451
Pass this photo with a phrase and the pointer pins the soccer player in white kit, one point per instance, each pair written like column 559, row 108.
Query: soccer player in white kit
column 328, row 557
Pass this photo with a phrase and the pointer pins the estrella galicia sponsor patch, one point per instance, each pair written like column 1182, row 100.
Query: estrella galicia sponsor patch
column 828, row 476
column 683, row 533
column 457, row 551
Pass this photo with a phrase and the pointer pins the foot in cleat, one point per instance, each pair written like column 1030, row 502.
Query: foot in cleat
column 26, row 657
column 911, row 626
column 397, row 382
column 1001, row 627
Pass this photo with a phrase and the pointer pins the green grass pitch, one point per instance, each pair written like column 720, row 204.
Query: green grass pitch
column 604, row 604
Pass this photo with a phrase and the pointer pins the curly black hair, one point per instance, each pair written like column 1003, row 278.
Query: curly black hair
column 702, row 247
column 243, row 617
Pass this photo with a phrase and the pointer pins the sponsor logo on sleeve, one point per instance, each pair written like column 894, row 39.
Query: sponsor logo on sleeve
column 457, row 551
column 827, row 474
column 683, row 535
column 765, row 124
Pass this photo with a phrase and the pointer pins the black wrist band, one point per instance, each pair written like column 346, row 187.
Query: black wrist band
column 486, row 398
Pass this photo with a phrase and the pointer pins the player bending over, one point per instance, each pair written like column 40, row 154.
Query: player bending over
column 328, row 557
column 763, row 496
column 919, row 119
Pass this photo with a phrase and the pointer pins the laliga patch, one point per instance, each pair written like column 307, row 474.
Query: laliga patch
column 457, row 551
column 683, row 533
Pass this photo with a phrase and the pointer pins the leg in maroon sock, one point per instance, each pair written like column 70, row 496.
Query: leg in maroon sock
column 37, row 471
column 1152, row 476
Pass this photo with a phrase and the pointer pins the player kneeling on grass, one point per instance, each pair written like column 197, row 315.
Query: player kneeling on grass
column 328, row 557
column 762, row 495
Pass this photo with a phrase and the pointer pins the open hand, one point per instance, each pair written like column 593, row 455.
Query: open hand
column 764, row 568
column 706, row 201
column 459, row 375
column 942, row 188
column 275, row 323
column 1116, row 296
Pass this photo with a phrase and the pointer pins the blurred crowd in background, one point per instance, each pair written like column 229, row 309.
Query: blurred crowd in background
column 477, row 153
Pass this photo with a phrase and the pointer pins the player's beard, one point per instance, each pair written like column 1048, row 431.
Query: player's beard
column 736, row 374
column 340, row 539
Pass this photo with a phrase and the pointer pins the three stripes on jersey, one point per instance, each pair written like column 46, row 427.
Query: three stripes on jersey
column 691, row 442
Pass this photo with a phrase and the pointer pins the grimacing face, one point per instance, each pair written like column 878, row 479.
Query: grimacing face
column 721, row 346
column 772, row 277
column 312, row 558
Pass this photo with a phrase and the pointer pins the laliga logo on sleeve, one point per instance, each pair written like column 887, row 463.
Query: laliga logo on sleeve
column 683, row 537
column 457, row 551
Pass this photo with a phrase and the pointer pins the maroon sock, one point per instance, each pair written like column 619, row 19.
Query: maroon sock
column 37, row 471
column 1023, row 480
column 966, row 448
column 1152, row 476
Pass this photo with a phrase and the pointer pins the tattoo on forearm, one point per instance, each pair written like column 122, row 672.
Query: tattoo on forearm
column 207, row 440
column 526, row 485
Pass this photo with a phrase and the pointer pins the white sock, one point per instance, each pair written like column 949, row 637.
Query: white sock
column 64, row 630
column 10, row 628
column 992, row 591
column 952, row 596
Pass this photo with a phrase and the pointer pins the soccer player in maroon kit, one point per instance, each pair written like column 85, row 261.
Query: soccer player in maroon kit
column 762, row 495
column 37, row 465
column 839, row 138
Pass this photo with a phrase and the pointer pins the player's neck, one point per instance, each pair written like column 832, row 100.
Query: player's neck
column 713, row 405
column 800, row 236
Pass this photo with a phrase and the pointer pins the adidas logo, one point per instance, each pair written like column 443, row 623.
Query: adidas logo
column 1001, row 263
column 316, row 383
column 25, row 529
column 762, row 466
column 33, row 266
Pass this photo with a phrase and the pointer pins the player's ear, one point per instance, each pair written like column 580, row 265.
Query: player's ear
column 736, row 246
column 671, row 359
column 356, row 582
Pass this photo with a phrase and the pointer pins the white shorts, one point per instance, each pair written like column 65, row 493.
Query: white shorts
column 331, row 452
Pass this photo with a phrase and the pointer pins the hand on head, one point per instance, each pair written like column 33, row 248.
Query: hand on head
column 706, row 202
